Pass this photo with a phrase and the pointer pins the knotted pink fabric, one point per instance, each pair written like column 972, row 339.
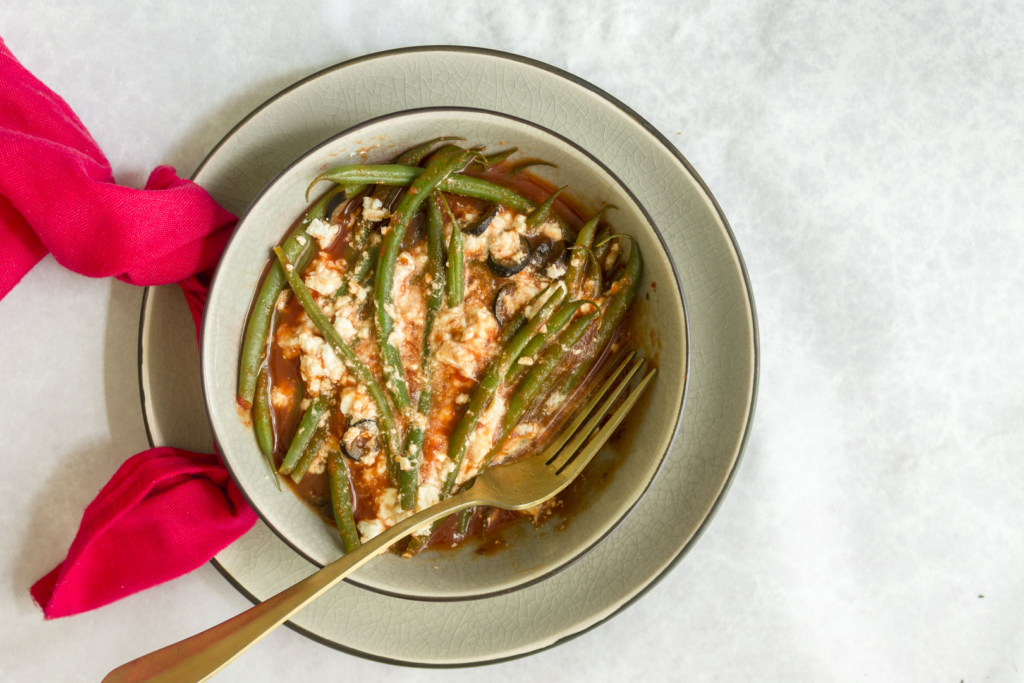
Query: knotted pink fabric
column 166, row 511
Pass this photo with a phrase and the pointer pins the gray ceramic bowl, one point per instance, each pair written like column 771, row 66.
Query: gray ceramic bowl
column 631, row 465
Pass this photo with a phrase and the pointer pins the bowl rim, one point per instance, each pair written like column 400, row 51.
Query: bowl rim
column 685, row 365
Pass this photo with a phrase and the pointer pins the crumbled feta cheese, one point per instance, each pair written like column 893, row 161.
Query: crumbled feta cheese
column 301, row 240
column 462, row 398
column 280, row 398
column 373, row 210
column 525, row 360
column 531, row 309
column 554, row 401
column 319, row 463
column 519, row 223
column 464, row 339
column 480, row 439
column 282, row 300
column 369, row 528
column 551, row 230
column 324, row 279
column 404, row 463
column 427, row 496
column 555, row 270
column 344, row 327
column 323, row 232
column 505, row 245
column 333, row 366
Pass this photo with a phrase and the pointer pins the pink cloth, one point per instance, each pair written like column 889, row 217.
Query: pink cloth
column 165, row 511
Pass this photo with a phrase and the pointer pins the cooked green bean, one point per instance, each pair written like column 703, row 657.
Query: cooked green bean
column 538, row 381
column 615, row 311
column 489, row 161
column 559, row 319
column 257, row 331
column 356, row 245
column 462, row 526
column 520, row 166
column 584, row 239
column 409, row 479
column 309, row 454
column 462, row 185
column 385, row 416
column 540, row 214
column 361, row 269
column 443, row 163
column 454, row 273
column 308, row 425
column 341, row 499
column 499, row 367
column 263, row 424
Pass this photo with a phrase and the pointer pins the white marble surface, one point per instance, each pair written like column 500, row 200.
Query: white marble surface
column 869, row 156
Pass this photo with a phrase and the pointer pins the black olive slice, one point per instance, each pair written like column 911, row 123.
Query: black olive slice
column 504, row 302
column 541, row 256
column 333, row 205
column 485, row 221
column 360, row 440
column 508, row 254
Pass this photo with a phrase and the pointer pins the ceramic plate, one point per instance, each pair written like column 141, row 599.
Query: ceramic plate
column 627, row 469
column 722, row 384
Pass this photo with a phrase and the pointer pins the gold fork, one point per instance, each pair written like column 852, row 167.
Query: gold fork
column 516, row 486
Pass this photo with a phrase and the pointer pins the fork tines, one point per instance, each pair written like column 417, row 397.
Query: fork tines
column 561, row 454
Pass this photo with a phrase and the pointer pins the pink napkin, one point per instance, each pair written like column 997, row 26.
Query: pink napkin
column 166, row 511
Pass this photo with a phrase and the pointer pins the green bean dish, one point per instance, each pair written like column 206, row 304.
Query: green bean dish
column 423, row 320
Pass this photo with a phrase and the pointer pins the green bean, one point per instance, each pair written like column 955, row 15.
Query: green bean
column 594, row 273
column 355, row 247
column 309, row 454
column 398, row 175
column 308, row 425
column 489, row 161
column 409, row 479
column 499, row 367
column 385, row 416
column 615, row 311
column 263, row 424
column 359, row 271
column 413, row 156
column 352, row 190
column 521, row 166
column 585, row 238
column 559, row 319
column 454, row 274
column 444, row 162
column 462, row 526
column 258, row 330
column 341, row 499
column 538, row 381
column 540, row 214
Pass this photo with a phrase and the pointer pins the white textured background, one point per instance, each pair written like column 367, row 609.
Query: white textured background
column 869, row 156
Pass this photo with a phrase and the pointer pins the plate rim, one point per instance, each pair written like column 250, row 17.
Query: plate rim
column 750, row 301
column 687, row 358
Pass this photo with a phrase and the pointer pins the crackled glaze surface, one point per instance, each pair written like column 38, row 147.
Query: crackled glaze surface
column 723, row 347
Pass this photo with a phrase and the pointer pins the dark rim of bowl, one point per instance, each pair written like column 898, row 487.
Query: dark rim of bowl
column 654, row 132
column 686, row 360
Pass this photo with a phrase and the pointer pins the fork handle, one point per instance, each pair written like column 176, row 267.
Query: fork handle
column 198, row 658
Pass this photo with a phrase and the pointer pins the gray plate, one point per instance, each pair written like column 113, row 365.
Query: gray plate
column 723, row 380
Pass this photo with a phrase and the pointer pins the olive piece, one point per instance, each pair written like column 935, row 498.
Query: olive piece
column 361, row 439
column 542, row 253
column 504, row 303
column 508, row 253
column 489, row 215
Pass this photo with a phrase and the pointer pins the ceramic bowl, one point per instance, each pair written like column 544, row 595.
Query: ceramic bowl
column 617, row 479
